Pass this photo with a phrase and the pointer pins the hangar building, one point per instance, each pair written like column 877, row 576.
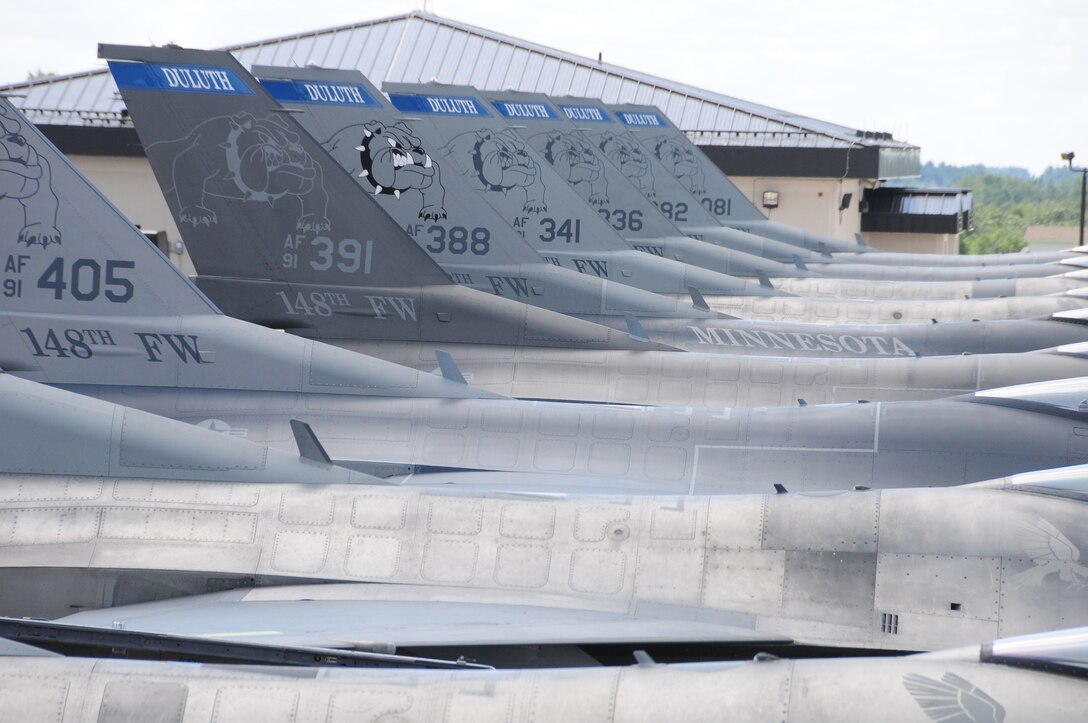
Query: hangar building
column 808, row 173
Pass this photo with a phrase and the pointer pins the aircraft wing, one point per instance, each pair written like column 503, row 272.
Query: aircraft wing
column 371, row 616
column 20, row 636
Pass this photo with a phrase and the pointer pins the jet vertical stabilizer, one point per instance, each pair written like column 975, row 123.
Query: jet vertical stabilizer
column 88, row 299
column 392, row 159
column 566, row 230
column 231, row 161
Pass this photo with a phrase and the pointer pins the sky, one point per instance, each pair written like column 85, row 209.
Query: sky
column 998, row 82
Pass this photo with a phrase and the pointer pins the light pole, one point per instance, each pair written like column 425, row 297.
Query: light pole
column 1083, row 187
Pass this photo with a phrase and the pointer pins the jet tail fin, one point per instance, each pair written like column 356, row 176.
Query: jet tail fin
column 70, row 251
column 230, row 160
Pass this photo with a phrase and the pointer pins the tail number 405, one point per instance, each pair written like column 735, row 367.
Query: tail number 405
column 85, row 280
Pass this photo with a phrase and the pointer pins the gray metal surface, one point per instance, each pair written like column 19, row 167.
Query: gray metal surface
column 393, row 161
column 893, row 569
column 954, row 685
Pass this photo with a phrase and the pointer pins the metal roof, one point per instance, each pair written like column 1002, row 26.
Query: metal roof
column 420, row 47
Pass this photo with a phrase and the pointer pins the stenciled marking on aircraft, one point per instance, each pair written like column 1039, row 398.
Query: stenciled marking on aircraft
column 503, row 285
column 438, row 105
column 185, row 347
column 574, row 159
column 500, row 162
column 241, row 157
column 953, row 698
column 26, row 179
column 314, row 303
column 81, row 343
column 322, row 254
column 682, row 162
column 385, row 307
column 826, row 342
column 179, row 78
column 78, row 280
column 1052, row 554
column 629, row 157
column 642, row 119
column 520, row 110
column 316, row 92
column 391, row 161
column 589, row 113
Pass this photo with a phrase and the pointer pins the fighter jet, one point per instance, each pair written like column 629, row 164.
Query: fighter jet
column 86, row 318
column 683, row 160
column 543, row 137
column 597, row 151
column 408, row 176
column 445, row 574
column 1037, row 677
column 134, row 518
column 667, row 169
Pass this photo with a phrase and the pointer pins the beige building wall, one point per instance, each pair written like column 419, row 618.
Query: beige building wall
column 130, row 185
column 915, row 243
column 813, row 204
column 810, row 203
column 1051, row 238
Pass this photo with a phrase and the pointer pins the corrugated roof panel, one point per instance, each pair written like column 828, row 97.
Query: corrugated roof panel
column 467, row 62
column 319, row 51
column 515, row 71
column 357, row 44
column 52, row 95
column 556, row 76
column 378, row 57
column 453, row 58
column 496, row 78
column 595, row 85
column 283, row 53
column 481, row 67
column 579, row 85
column 532, row 77
column 419, row 47
column 419, row 43
column 338, row 44
column 436, row 59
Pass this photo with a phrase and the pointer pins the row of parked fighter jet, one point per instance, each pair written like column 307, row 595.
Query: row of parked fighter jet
column 593, row 251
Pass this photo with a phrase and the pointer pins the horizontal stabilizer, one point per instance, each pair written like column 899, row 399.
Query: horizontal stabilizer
column 309, row 446
column 110, row 643
column 697, row 299
column 448, row 367
column 634, row 328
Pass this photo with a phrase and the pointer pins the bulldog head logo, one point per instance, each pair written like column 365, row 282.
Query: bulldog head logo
column 629, row 157
column 575, row 160
column 258, row 160
column 25, row 177
column 394, row 162
column 500, row 162
column 681, row 161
